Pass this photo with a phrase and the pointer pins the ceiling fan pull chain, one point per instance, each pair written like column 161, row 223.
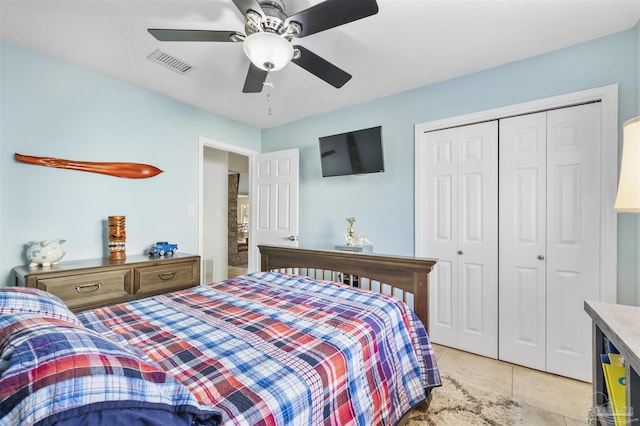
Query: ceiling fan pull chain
column 270, row 87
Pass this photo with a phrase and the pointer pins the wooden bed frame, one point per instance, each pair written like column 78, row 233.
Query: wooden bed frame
column 396, row 274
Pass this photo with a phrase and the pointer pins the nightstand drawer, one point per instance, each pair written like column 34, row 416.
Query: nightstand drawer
column 163, row 278
column 88, row 290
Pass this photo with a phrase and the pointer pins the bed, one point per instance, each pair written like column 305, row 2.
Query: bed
column 285, row 346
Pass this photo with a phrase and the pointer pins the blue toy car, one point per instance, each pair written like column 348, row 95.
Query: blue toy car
column 163, row 247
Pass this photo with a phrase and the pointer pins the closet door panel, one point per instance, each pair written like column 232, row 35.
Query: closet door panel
column 477, row 242
column 522, row 237
column 573, row 239
column 444, row 304
column 460, row 172
column 440, row 171
column 443, row 231
column 472, row 291
column 526, row 288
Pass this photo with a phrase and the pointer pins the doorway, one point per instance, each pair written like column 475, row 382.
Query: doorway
column 238, row 215
column 273, row 195
column 221, row 204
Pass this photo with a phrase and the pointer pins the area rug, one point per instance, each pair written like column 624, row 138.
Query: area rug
column 456, row 403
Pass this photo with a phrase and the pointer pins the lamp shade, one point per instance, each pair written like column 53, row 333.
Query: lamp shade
column 268, row 51
column 628, row 199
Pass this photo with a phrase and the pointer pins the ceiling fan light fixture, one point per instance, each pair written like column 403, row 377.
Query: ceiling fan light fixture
column 268, row 51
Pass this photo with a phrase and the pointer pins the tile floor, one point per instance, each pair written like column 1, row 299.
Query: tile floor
column 546, row 399
column 235, row 271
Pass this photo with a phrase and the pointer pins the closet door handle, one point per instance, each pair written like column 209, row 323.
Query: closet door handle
column 460, row 252
column 541, row 257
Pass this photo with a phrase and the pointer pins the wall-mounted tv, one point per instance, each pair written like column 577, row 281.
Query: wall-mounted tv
column 352, row 153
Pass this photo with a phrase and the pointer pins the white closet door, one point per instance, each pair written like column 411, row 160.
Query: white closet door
column 439, row 152
column 573, row 236
column 549, row 238
column 523, row 240
column 477, row 243
column 461, row 224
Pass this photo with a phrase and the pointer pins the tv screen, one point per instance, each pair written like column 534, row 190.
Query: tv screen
column 352, row 153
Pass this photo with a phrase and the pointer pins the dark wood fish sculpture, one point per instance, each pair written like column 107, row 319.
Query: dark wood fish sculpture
column 118, row 169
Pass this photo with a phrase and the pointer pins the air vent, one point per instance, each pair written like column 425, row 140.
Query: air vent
column 170, row 62
column 209, row 268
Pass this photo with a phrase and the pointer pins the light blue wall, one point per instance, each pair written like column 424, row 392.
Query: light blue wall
column 52, row 108
column 383, row 204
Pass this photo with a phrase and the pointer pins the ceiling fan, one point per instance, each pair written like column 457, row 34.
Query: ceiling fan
column 268, row 33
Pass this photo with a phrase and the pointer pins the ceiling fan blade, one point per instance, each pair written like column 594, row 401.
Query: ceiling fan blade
column 194, row 35
column 332, row 13
column 321, row 68
column 244, row 5
column 255, row 79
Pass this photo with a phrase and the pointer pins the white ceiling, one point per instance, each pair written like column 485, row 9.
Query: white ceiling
column 408, row 44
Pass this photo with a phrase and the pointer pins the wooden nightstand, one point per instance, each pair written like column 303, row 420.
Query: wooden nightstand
column 620, row 324
column 88, row 284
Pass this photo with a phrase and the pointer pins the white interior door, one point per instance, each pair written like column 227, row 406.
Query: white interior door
column 439, row 170
column 573, row 236
column 477, row 242
column 522, row 241
column 549, row 238
column 460, row 217
column 274, row 199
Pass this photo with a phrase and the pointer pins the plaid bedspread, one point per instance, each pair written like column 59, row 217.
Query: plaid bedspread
column 55, row 372
column 275, row 349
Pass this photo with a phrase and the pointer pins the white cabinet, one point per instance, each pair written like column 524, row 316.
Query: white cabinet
column 549, row 238
column 459, row 169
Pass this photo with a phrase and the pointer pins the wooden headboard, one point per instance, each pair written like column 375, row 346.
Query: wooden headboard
column 409, row 275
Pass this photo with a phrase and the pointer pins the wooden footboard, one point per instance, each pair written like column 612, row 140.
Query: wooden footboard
column 404, row 277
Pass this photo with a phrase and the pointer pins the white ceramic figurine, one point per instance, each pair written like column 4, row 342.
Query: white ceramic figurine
column 45, row 253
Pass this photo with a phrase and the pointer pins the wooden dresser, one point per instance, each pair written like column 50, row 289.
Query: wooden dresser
column 87, row 284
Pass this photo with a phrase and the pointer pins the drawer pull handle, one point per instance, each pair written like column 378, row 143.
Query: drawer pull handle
column 166, row 276
column 92, row 287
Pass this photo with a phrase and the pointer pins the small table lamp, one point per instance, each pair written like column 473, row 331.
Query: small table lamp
column 628, row 199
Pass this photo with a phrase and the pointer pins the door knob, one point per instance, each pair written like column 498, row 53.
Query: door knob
column 540, row 257
column 460, row 252
column 291, row 238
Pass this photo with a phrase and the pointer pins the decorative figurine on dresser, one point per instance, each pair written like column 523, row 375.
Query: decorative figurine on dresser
column 163, row 247
column 117, row 238
column 357, row 243
column 45, row 253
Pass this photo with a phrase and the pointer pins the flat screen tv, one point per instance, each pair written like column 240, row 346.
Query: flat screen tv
column 352, row 153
